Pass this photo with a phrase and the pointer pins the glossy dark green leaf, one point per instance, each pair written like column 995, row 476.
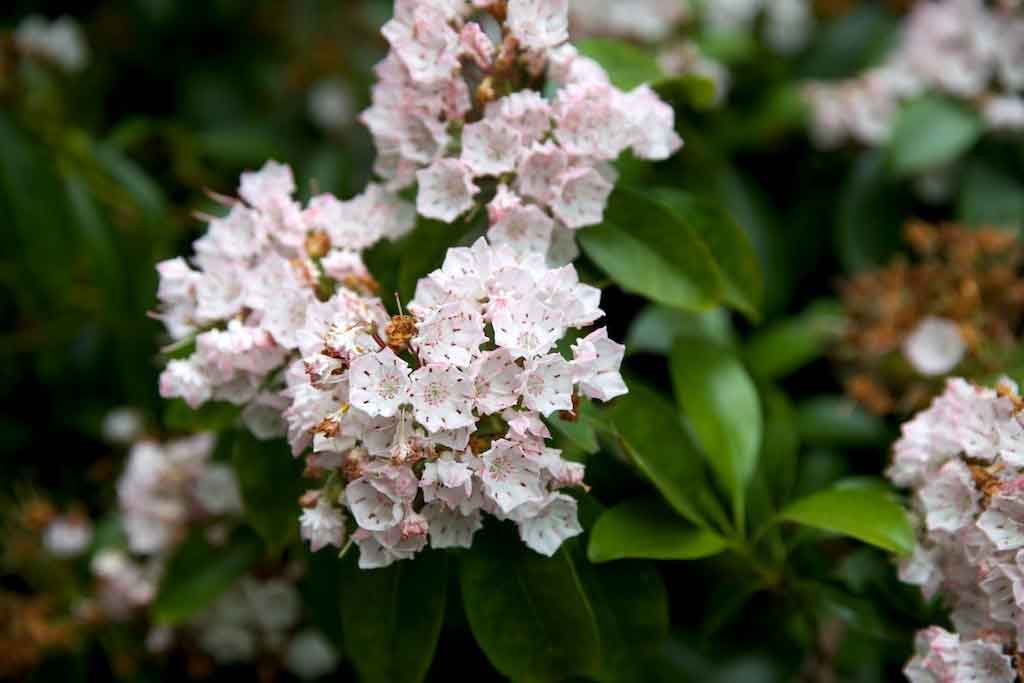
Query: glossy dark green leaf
column 630, row 603
column 646, row 249
column 392, row 616
column 729, row 246
column 198, row 573
column 990, row 196
column 627, row 65
column 214, row 416
column 529, row 614
column 271, row 482
column 867, row 514
column 721, row 403
column 657, row 327
column 931, row 132
column 693, row 89
column 871, row 213
column 837, row 421
column 646, row 529
column 777, row 467
column 652, row 436
column 789, row 344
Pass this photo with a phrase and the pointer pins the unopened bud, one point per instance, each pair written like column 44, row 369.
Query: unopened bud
column 317, row 244
column 399, row 331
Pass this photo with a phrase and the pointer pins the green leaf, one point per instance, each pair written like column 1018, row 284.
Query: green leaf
column 696, row 90
column 837, row 421
column 627, row 65
column 197, row 573
column 392, row 616
column 866, row 514
column 870, row 216
column 646, row 249
column 990, row 196
column 214, row 416
column 721, row 404
column 788, row 345
column 580, row 432
column 652, row 436
column 630, row 604
column 931, row 132
column 529, row 613
column 777, row 467
column 729, row 245
column 271, row 482
column 657, row 328
column 646, row 529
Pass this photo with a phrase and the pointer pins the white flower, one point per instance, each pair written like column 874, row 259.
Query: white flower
column 441, row 397
column 556, row 522
column 596, row 361
column 495, row 379
column 373, row 507
column 935, row 346
column 310, row 655
column 67, row 536
column 509, row 478
column 490, row 147
column 322, row 525
column 446, row 190
column 379, row 383
column 452, row 334
column 449, row 528
column 539, row 24
column 217, row 490
column 527, row 328
column 547, row 384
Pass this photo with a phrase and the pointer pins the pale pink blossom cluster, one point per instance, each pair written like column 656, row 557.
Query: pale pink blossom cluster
column 486, row 103
column 257, row 277
column 649, row 21
column 438, row 417
column 960, row 48
column 963, row 459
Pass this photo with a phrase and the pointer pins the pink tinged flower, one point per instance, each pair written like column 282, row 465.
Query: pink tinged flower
column 527, row 328
column 561, row 289
column 185, row 379
column 653, row 122
column 441, row 397
column 980, row 661
column 413, row 525
column 347, row 226
column 921, row 569
column 496, row 379
column 452, row 334
column 448, row 480
column 591, row 121
column 950, row 499
column 526, row 111
column 220, row 290
column 476, row 45
column 596, row 361
column 67, row 536
column 551, row 526
column 935, row 656
column 322, row 525
column 269, row 187
column 374, row 509
column 241, row 234
column 490, row 148
column 509, row 478
column 382, row 548
column 379, row 383
column 525, row 229
column 935, row 346
column 539, row 24
column 1001, row 585
column 344, row 265
column 1003, row 522
column 525, row 425
column 547, row 384
column 581, row 198
column 539, row 171
column 427, row 45
column 450, row 528
column 446, row 190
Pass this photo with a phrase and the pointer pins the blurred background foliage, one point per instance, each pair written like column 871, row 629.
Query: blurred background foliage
column 102, row 171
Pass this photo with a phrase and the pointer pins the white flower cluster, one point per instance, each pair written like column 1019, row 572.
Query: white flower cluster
column 963, row 459
column 960, row 48
column 491, row 93
column 59, row 41
column 438, row 419
column 259, row 276
column 166, row 491
column 261, row 617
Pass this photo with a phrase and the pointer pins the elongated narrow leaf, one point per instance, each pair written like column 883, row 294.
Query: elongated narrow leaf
column 271, row 483
column 646, row 529
column 721, row 403
column 831, row 421
column 867, row 514
column 198, row 573
column 789, row 344
column 627, row 65
column 529, row 613
column 652, row 436
column 777, row 467
column 729, row 246
column 932, row 132
column 392, row 617
column 646, row 249
column 656, row 328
